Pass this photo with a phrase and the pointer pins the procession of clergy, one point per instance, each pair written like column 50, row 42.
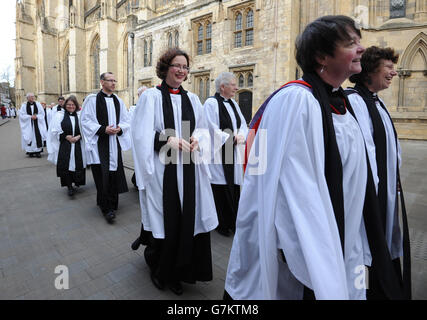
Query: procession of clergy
column 310, row 190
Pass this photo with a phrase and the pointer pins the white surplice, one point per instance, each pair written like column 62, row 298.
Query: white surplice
column 287, row 207
column 27, row 130
column 218, row 138
column 90, row 126
column 53, row 143
column 149, row 168
column 393, row 233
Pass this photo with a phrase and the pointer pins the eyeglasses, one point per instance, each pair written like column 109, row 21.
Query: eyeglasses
column 178, row 66
column 110, row 80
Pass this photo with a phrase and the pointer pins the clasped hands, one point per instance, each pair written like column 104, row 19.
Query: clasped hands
column 111, row 130
column 72, row 139
column 239, row 139
column 181, row 144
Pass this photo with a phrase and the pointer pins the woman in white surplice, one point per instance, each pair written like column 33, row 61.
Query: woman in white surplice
column 177, row 206
column 300, row 231
column 384, row 155
column 66, row 147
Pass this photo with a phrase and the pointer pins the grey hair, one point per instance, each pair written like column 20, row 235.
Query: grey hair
column 102, row 77
column 141, row 90
column 224, row 78
column 30, row 94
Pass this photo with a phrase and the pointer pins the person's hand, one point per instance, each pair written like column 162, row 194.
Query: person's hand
column 179, row 144
column 239, row 139
column 117, row 129
column 110, row 130
column 33, row 117
column 69, row 138
column 76, row 138
column 194, row 144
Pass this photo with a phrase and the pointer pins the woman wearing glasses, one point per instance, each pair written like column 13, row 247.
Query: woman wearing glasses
column 66, row 146
column 177, row 206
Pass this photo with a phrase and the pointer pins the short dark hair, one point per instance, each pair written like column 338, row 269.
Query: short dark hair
column 74, row 100
column 320, row 38
column 61, row 98
column 102, row 77
column 370, row 62
column 164, row 61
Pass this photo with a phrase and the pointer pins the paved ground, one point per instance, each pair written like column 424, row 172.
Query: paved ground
column 41, row 228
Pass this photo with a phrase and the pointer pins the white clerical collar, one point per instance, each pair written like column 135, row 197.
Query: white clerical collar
column 107, row 95
column 225, row 99
column 335, row 89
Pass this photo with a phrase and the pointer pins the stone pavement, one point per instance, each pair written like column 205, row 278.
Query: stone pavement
column 42, row 228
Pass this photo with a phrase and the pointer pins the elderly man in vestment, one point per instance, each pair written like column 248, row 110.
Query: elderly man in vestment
column 33, row 126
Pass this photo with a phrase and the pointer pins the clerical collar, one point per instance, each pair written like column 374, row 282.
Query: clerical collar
column 172, row 90
column 106, row 95
column 225, row 100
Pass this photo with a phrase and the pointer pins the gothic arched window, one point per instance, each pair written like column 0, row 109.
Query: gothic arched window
column 170, row 40
column 176, row 39
column 250, row 80
column 145, row 53
column 238, row 31
column 95, row 63
column 208, row 38
column 66, row 65
column 249, row 30
column 200, row 40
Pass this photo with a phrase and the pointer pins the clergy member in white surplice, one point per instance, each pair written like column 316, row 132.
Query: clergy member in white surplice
column 384, row 154
column 66, row 146
column 228, row 131
column 300, row 230
column 170, row 138
column 105, row 128
column 33, row 126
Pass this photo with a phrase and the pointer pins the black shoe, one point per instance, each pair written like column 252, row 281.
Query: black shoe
column 158, row 283
column 176, row 287
column 70, row 192
column 135, row 245
column 38, row 155
column 31, row 155
column 110, row 216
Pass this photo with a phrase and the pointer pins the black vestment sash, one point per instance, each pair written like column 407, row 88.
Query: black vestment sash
column 380, row 142
column 333, row 164
column 403, row 288
column 104, row 144
column 170, row 183
column 35, row 124
column 64, row 152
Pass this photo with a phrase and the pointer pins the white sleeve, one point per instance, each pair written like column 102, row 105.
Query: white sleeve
column 53, row 137
column 25, row 123
column 142, row 132
column 124, row 124
column 90, row 124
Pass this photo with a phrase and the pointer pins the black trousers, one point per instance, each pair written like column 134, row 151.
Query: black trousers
column 106, row 200
column 226, row 203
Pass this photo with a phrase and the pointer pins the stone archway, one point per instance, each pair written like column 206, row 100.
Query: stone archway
column 413, row 76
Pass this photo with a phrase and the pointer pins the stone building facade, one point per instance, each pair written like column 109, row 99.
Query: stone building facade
column 63, row 46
